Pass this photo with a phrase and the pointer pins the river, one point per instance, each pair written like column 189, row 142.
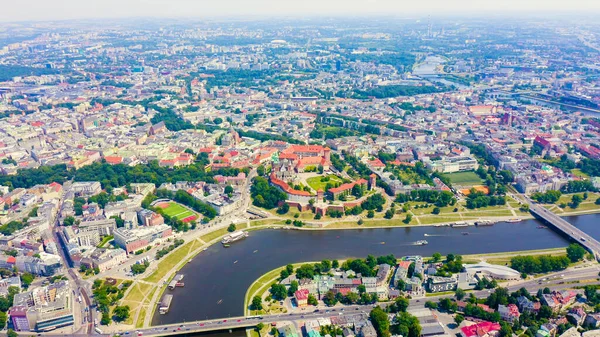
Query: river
column 215, row 284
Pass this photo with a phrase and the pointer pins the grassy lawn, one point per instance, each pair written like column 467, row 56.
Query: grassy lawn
column 585, row 206
column 177, row 211
column 167, row 263
column 263, row 283
column 133, row 307
column 488, row 211
column 469, row 178
column 265, row 222
column 577, row 172
column 504, row 258
column 105, row 240
column 141, row 317
column 433, row 219
column 395, row 222
column 135, row 294
column 218, row 233
column 317, row 183
column 428, row 210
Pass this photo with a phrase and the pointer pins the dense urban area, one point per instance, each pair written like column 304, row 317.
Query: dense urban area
column 129, row 147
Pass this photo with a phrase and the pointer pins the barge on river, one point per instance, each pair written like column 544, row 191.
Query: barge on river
column 235, row 236
column 165, row 304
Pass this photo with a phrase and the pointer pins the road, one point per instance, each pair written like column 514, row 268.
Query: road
column 84, row 318
column 555, row 281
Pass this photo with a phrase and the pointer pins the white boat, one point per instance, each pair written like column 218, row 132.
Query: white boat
column 235, row 236
column 421, row 243
column 460, row 224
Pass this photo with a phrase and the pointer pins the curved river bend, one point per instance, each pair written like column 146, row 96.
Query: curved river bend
column 215, row 286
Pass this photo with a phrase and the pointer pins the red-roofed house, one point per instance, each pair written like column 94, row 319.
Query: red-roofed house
column 113, row 160
column 301, row 296
column 482, row 329
column 509, row 313
column 376, row 163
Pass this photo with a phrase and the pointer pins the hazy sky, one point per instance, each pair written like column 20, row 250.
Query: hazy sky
column 20, row 10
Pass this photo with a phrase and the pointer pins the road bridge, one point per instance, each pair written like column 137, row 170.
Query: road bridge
column 567, row 229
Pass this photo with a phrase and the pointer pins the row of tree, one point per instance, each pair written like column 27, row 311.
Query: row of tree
column 111, row 176
column 439, row 198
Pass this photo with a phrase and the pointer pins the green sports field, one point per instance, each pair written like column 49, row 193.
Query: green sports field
column 177, row 211
column 468, row 178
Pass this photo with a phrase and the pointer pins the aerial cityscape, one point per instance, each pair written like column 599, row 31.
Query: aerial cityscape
column 300, row 176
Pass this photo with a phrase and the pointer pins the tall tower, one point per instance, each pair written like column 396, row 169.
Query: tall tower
column 429, row 26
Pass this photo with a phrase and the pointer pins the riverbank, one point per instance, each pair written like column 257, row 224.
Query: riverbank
column 261, row 285
column 266, row 224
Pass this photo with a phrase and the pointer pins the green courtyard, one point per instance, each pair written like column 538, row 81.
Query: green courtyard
column 319, row 182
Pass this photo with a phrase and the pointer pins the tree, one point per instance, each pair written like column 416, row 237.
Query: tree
column 105, row 320
column 380, row 322
column 335, row 264
column 312, row 300
column 121, row 313
column 283, row 209
column 139, row 268
column 575, row 201
column 330, row 299
column 459, row 294
column 11, row 333
column 231, row 228
column 371, row 214
column 260, row 170
column 408, row 219
column 278, row 291
column 436, row 210
column 26, row 279
column 259, row 327
column 228, row 190
column 431, row 305
column 256, row 303
column 305, row 271
column 575, row 252
column 325, row 266
column 361, row 289
column 458, row 319
column 69, row 221
column 3, row 318
column 436, row 257
column 505, row 330
column 401, row 304
column 293, row 288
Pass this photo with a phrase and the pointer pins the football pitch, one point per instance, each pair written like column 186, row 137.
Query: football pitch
column 177, row 211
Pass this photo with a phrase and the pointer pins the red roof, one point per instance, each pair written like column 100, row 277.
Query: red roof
column 286, row 188
column 11, row 260
column 376, row 163
column 480, row 329
column 113, row 159
column 301, row 294
column 348, row 186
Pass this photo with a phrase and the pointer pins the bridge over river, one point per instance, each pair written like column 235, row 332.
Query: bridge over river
column 567, row 229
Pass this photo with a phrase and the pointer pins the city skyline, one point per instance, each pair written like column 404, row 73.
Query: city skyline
column 37, row 10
